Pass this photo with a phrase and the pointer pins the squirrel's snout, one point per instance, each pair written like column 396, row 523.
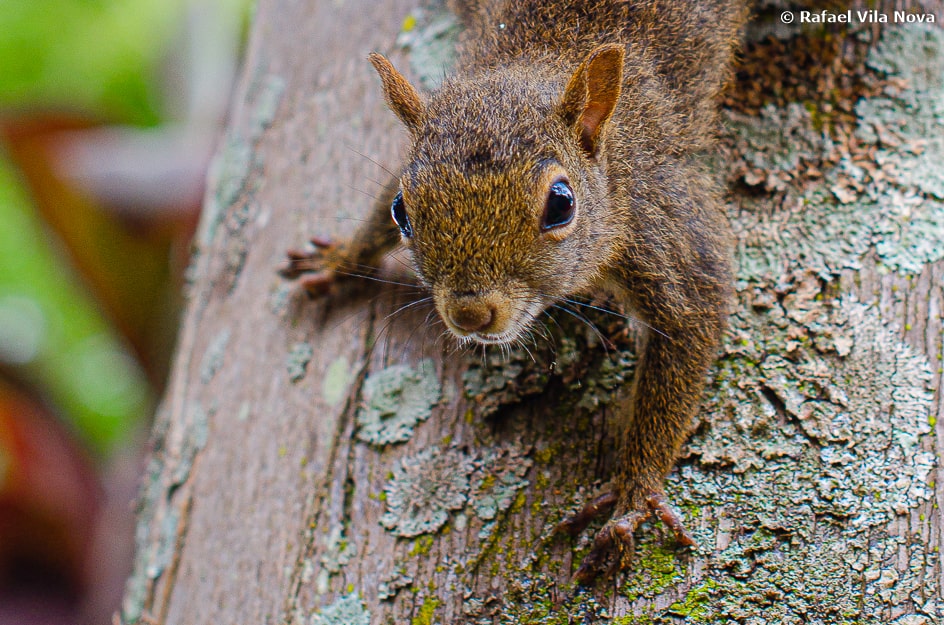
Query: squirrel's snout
column 471, row 315
column 487, row 317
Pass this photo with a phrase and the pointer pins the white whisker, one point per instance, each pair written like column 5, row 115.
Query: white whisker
column 603, row 339
column 616, row 314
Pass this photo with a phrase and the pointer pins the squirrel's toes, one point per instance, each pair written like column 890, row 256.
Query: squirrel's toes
column 614, row 544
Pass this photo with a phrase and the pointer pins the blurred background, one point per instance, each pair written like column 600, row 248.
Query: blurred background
column 109, row 113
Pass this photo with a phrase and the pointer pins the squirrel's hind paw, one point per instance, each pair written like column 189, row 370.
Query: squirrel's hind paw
column 614, row 545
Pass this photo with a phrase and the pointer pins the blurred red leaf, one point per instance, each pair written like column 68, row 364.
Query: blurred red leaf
column 50, row 500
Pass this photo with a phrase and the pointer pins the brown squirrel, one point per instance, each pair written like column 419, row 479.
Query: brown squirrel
column 563, row 159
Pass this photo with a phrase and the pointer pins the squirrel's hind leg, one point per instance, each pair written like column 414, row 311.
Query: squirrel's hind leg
column 654, row 423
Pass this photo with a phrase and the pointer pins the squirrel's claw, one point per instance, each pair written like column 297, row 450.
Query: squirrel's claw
column 576, row 523
column 659, row 506
column 298, row 262
column 319, row 284
column 618, row 534
column 321, row 242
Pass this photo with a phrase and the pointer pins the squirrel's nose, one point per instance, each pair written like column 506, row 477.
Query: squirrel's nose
column 471, row 316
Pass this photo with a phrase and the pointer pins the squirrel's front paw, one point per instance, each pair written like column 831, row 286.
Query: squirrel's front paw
column 613, row 545
column 321, row 263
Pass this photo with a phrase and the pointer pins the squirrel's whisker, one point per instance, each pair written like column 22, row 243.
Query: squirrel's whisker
column 409, row 305
column 362, row 192
column 520, row 342
column 616, row 314
column 383, row 185
column 359, row 153
column 336, row 218
column 374, row 279
column 605, row 341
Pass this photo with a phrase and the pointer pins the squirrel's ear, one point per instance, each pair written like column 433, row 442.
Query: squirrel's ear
column 400, row 95
column 592, row 94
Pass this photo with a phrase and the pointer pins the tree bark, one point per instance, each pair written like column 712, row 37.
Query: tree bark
column 339, row 462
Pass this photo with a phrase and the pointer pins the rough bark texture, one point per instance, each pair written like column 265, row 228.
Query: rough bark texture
column 326, row 462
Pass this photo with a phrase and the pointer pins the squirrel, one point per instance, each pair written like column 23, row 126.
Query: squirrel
column 566, row 157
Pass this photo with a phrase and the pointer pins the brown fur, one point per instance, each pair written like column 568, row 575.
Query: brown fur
column 619, row 97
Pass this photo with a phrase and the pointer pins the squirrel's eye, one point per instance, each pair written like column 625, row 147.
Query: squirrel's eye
column 398, row 210
column 559, row 209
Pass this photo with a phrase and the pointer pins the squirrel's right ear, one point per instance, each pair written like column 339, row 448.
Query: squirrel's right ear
column 400, row 95
column 592, row 94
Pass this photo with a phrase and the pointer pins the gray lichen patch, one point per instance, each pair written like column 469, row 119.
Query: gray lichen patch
column 424, row 489
column 213, row 357
column 885, row 191
column 914, row 53
column 267, row 96
column 234, row 174
column 812, row 442
column 812, row 232
column 430, row 35
column 599, row 389
column 539, row 601
column 196, row 432
column 279, row 297
column 498, row 478
column 394, row 583
column 156, row 534
column 395, row 400
column 338, row 551
column 336, row 380
column 149, row 507
column 346, row 610
column 775, row 144
column 907, row 129
column 297, row 360
column 502, row 378
column 164, row 548
column 136, row 593
column 914, row 236
column 230, row 169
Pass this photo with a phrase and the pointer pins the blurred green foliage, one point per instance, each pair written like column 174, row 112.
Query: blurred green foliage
column 96, row 56
column 50, row 327
column 101, row 61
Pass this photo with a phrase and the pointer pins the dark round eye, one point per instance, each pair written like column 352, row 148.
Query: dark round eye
column 398, row 210
column 559, row 209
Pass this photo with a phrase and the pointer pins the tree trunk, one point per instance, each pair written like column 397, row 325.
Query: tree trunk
column 333, row 462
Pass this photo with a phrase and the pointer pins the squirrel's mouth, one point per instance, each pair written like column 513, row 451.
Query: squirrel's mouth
column 491, row 339
column 487, row 320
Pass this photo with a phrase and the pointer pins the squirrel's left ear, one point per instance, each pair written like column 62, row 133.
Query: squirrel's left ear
column 592, row 94
column 400, row 95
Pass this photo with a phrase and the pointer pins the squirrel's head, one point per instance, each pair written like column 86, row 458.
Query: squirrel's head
column 504, row 199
